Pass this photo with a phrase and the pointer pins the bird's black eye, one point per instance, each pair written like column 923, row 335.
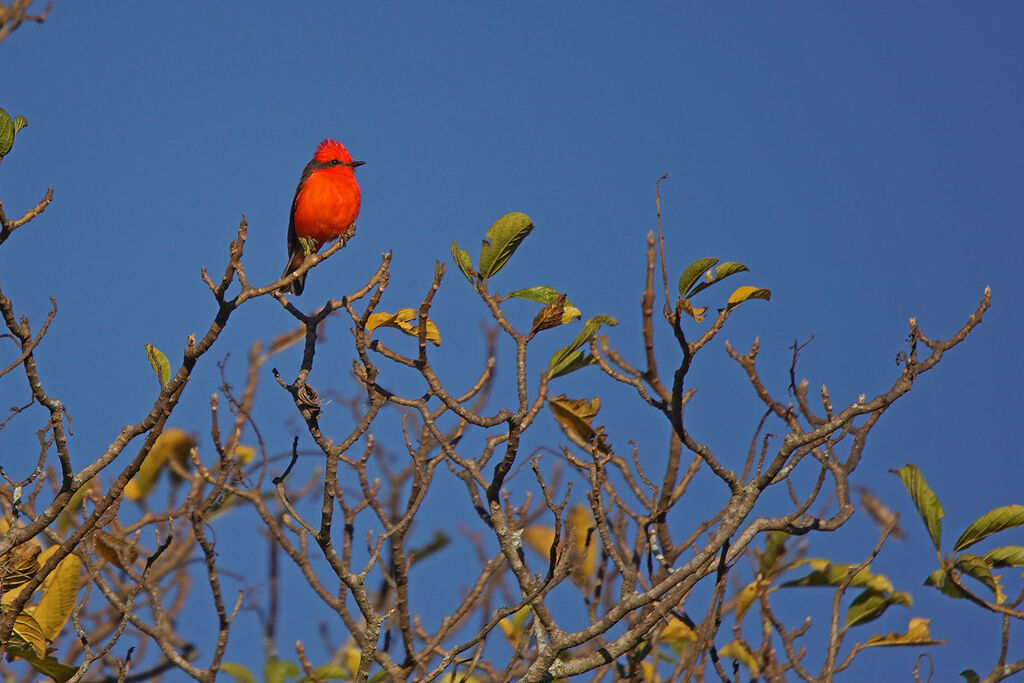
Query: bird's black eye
column 334, row 162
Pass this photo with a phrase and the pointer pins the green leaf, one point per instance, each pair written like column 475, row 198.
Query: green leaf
column 1005, row 556
column 971, row 675
column 940, row 580
column 977, row 568
column 48, row 665
column 542, row 294
column 991, row 522
column 925, row 501
column 158, row 361
column 6, row 133
column 278, row 670
column 571, row 363
column 871, row 604
column 568, row 359
column 746, row 293
column 590, row 329
column 19, row 123
column 693, row 272
column 723, row 271
column 774, row 548
column 463, row 261
column 436, row 544
column 503, row 239
column 238, row 672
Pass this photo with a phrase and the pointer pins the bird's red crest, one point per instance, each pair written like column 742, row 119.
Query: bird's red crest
column 332, row 149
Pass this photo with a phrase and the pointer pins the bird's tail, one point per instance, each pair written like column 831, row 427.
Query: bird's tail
column 294, row 261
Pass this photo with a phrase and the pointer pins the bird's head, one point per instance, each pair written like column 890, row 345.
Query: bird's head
column 333, row 151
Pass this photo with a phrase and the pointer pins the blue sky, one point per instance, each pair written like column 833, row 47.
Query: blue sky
column 865, row 160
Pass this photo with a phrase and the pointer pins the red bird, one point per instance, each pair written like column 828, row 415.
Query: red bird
column 326, row 205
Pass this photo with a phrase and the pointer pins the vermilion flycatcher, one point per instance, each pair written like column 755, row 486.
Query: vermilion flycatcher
column 326, row 204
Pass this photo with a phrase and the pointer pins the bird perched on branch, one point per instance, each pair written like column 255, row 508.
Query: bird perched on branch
column 326, row 205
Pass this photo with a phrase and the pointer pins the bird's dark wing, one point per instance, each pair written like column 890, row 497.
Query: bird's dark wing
column 294, row 248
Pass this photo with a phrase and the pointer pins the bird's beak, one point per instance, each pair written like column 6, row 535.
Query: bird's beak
column 356, row 163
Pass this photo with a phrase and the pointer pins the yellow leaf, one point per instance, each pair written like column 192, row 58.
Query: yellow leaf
column 112, row 548
column 555, row 313
column 509, row 630
column 750, row 593
column 58, row 594
column 747, row 292
column 383, row 319
column 17, row 567
column 582, row 521
column 695, row 312
column 512, row 626
column 650, row 674
column 1000, row 595
column 458, row 678
column 67, row 516
column 575, row 415
column 173, row 443
column 826, row 573
column 736, row 650
column 245, row 454
column 352, row 657
column 27, row 629
column 917, row 634
column 539, row 538
column 676, row 632
column 400, row 321
column 46, row 555
column 37, row 561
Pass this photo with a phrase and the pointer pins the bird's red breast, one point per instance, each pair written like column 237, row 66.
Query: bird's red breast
column 327, row 204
